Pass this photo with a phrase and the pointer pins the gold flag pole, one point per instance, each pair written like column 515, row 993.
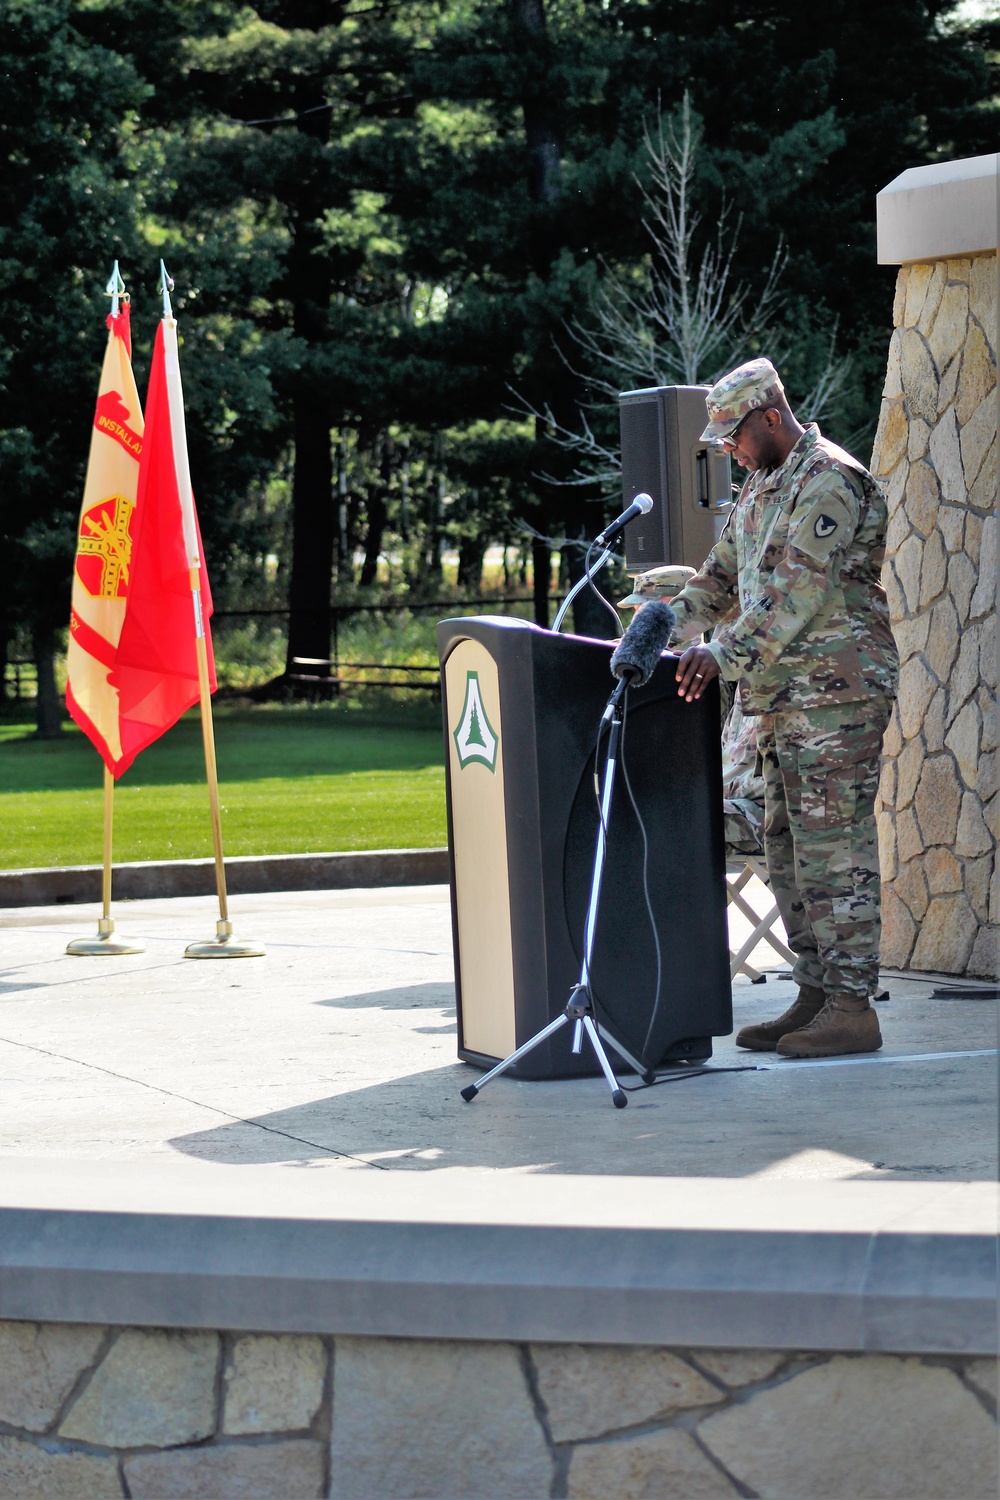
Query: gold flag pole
column 224, row 944
column 109, row 822
column 107, row 941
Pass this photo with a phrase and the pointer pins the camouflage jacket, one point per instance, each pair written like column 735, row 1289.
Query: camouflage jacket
column 793, row 585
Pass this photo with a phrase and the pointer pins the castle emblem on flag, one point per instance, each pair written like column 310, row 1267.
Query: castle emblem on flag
column 475, row 739
column 104, row 547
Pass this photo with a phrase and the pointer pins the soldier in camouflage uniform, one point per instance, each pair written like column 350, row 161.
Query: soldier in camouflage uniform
column 742, row 777
column 742, row 785
column 801, row 623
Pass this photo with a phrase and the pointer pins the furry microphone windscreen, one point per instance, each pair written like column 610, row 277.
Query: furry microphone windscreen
column 639, row 649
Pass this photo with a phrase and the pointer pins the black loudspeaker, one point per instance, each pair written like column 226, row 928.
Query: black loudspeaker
column 690, row 481
column 521, row 712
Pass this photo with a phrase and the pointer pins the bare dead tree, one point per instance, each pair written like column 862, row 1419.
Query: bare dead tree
column 683, row 321
column 680, row 320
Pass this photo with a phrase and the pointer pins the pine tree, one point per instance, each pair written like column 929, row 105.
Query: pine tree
column 381, row 216
column 475, row 734
column 67, row 208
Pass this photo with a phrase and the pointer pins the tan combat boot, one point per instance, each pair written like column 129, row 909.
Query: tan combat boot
column 766, row 1036
column 846, row 1023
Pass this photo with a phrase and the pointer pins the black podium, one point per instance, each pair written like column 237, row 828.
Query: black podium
column 521, row 713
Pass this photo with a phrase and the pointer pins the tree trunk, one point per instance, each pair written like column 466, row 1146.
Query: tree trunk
column 404, row 493
column 471, row 552
column 435, row 510
column 377, row 507
column 344, row 565
column 541, row 567
column 541, row 122
column 48, row 706
column 544, row 136
column 314, row 521
column 313, row 532
column 377, row 517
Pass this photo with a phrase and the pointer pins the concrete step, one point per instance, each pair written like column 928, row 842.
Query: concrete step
column 245, row 875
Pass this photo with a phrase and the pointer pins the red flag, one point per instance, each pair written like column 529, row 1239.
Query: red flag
column 156, row 665
column 105, row 535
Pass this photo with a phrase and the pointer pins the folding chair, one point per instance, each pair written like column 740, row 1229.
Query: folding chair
column 740, row 870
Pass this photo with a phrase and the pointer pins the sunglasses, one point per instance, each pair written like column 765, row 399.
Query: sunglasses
column 727, row 444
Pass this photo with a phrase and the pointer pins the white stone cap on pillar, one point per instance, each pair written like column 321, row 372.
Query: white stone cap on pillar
column 946, row 209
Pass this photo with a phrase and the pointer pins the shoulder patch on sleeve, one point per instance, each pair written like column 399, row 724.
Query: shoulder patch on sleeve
column 826, row 521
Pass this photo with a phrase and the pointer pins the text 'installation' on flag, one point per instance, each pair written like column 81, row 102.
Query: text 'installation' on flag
column 156, row 667
column 102, row 571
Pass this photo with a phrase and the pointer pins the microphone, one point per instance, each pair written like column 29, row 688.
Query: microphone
column 641, row 506
column 639, row 649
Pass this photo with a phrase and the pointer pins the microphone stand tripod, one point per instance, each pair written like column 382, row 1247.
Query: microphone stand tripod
column 579, row 1009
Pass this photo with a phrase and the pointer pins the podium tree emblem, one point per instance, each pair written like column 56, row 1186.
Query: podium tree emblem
column 475, row 739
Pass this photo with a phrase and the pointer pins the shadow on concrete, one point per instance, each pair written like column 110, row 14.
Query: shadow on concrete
column 395, row 1103
column 15, row 986
column 932, row 1121
column 403, row 997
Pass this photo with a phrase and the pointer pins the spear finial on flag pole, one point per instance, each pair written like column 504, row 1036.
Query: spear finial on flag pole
column 166, row 287
column 100, row 585
column 115, row 289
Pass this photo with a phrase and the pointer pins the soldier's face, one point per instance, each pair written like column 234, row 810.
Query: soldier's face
column 752, row 444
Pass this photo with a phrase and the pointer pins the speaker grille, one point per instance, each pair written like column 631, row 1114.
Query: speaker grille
column 663, row 453
column 644, row 468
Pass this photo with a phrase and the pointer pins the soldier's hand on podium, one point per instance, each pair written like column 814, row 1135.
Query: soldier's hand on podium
column 695, row 671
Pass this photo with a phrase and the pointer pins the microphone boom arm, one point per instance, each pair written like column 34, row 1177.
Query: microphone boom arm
column 581, row 583
column 641, row 506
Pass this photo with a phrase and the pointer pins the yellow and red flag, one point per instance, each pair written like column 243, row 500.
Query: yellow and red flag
column 105, row 538
column 156, row 664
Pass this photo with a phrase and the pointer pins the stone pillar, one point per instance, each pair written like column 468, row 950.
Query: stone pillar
column 936, row 455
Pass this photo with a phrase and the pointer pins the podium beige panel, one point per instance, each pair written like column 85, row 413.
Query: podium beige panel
column 479, row 834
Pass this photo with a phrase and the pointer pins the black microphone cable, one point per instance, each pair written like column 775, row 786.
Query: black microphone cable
column 645, row 889
column 645, row 864
column 684, row 1071
column 641, row 649
column 605, row 724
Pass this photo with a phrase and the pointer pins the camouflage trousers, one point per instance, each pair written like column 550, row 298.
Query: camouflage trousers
column 821, row 771
column 743, row 825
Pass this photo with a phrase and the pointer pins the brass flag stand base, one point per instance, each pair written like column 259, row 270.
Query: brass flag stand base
column 106, row 941
column 224, row 945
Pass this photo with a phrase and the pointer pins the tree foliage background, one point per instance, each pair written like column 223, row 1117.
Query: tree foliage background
column 392, row 224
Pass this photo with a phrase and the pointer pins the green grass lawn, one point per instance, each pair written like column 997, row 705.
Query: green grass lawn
column 292, row 781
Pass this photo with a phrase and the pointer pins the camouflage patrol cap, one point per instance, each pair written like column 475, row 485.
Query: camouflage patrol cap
column 657, row 583
column 737, row 394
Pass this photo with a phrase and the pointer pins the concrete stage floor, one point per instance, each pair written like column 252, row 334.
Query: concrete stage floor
column 337, row 1051
column 279, row 1144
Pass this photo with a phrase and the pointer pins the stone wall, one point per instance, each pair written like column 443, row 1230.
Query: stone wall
column 936, row 454
column 97, row 1411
